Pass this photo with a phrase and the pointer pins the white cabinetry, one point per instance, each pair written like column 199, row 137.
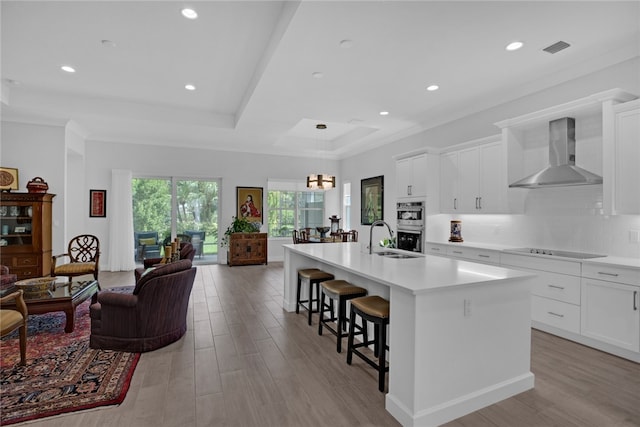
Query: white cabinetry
column 555, row 301
column 473, row 180
column 610, row 307
column 411, row 176
column 625, row 173
column 485, row 256
column 417, row 177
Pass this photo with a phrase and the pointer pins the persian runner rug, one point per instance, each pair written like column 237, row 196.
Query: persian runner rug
column 62, row 373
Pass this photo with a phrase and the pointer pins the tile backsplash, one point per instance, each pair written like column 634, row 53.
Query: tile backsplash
column 563, row 218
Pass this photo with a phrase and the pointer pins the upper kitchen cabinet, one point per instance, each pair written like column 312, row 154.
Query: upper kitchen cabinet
column 473, row 179
column 621, row 157
column 417, row 178
column 533, row 145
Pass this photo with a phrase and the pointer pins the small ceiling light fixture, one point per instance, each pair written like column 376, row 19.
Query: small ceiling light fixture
column 189, row 13
column 514, row 46
column 321, row 181
column 384, row 113
column 189, row 87
column 431, row 88
column 68, row 69
column 346, row 44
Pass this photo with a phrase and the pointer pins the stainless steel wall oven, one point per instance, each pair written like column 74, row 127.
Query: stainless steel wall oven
column 410, row 226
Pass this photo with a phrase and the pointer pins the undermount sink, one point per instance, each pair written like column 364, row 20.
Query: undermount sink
column 397, row 255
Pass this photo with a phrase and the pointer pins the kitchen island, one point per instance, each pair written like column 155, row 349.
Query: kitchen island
column 459, row 332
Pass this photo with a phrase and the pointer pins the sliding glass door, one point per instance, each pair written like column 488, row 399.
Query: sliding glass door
column 170, row 207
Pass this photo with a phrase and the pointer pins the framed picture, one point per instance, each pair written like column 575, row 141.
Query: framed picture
column 98, row 203
column 249, row 203
column 371, row 200
column 8, row 179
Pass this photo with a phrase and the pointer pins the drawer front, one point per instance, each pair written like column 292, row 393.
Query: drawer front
column 27, row 272
column 557, row 286
column 434, row 249
column 477, row 255
column 25, row 261
column 630, row 276
column 561, row 315
column 540, row 263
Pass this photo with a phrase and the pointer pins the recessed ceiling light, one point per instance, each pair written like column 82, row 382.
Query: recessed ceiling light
column 384, row 113
column 346, row 44
column 431, row 88
column 514, row 46
column 189, row 87
column 68, row 69
column 189, row 13
column 317, row 75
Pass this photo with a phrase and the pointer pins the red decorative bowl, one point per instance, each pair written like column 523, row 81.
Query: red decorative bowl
column 37, row 185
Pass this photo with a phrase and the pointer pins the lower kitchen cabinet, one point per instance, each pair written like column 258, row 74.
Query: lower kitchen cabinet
column 247, row 249
column 558, row 314
column 610, row 313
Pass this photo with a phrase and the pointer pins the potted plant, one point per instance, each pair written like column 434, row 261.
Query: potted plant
column 239, row 225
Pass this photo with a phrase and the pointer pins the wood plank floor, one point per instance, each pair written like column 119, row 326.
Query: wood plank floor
column 246, row 362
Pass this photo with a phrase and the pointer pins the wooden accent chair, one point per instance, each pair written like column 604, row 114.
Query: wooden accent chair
column 10, row 320
column 84, row 255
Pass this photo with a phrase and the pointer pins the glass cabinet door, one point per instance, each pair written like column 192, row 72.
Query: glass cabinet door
column 16, row 224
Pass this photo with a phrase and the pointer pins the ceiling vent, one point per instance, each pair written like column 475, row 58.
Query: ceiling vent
column 556, row 47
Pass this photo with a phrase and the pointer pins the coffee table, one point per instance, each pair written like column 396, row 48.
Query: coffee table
column 64, row 297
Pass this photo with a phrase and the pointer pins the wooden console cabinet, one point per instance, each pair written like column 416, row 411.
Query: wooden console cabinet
column 25, row 228
column 247, row 249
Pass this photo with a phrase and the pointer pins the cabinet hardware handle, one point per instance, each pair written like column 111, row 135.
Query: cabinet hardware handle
column 435, row 249
column 608, row 274
column 479, row 202
column 457, row 252
column 455, row 203
column 409, row 189
column 635, row 300
column 556, row 287
column 484, row 256
column 555, row 314
column 476, row 203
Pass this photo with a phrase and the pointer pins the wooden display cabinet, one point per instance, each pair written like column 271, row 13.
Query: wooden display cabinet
column 25, row 228
column 247, row 249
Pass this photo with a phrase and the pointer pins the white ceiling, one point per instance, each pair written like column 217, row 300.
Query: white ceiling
column 253, row 66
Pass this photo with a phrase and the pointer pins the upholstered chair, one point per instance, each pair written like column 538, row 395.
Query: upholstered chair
column 12, row 319
column 152, row 316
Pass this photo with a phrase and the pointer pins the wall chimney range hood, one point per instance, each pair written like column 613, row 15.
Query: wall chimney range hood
column 562, row 169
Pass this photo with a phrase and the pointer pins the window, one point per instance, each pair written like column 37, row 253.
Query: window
column 292, row 210
column 346, row 206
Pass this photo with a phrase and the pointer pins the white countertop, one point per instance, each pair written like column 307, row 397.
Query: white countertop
column 606, row 260
column 416, row 275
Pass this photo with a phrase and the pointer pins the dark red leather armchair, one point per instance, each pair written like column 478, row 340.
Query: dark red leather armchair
column 153, row 316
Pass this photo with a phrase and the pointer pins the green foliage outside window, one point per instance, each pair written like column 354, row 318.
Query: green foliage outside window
column 292, row 210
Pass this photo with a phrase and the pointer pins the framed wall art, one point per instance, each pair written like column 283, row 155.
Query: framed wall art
column 98, row 203
column 371, row 200
column 8, row 179
column 249, row 203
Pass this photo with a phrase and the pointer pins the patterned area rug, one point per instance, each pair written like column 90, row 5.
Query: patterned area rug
column 62, row 373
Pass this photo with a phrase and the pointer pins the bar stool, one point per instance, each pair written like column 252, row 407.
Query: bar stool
column 314, row 276
column 342, row 291
column 376, row 310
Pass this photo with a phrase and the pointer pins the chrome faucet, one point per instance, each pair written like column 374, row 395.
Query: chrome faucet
column 375, row 223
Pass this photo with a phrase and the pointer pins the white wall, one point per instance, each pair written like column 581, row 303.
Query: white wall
column 39, row 150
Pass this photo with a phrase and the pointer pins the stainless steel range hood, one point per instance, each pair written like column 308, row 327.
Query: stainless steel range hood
column 562, row 169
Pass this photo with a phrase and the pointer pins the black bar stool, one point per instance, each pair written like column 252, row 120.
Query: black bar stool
column 342, row 291
column 376, row 310
column 314, row 276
